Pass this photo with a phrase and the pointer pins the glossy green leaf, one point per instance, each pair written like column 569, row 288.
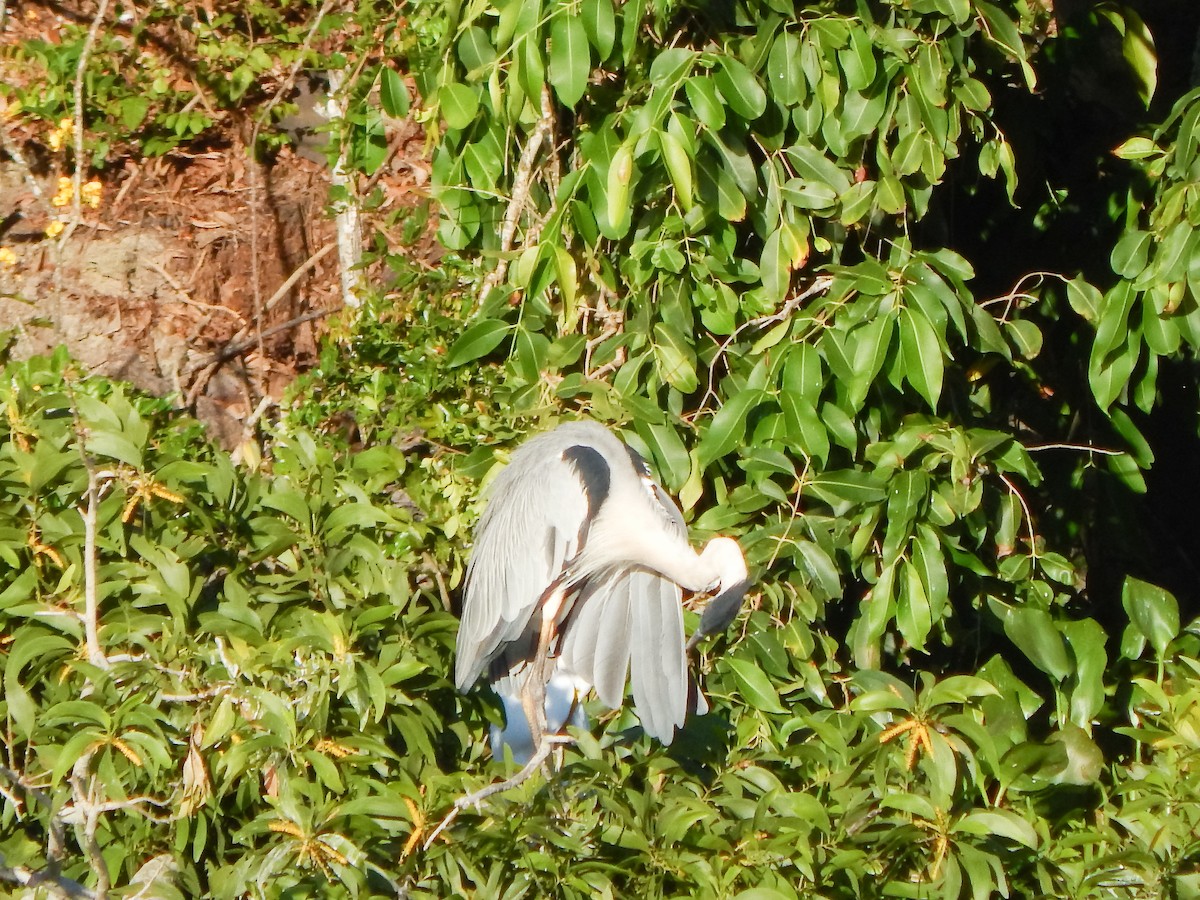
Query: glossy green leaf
column 480, row 339
column 458, row 104
column 1034, row 633
column 600, row 22
column 924, row 366
column 754, row 686
column 570, row 58
column 393, row 93
column 740, row 88
column 1152, row 611
column 726, row 431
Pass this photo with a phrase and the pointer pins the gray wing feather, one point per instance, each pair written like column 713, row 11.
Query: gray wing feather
column 658, row 665
column 597, row 642
column 537, row 508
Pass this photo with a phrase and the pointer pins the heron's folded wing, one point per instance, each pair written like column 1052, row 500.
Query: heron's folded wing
column 534, row 523
column 658, row 662
column 597, row 638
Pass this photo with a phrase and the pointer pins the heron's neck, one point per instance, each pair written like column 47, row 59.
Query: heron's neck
column 670, row 556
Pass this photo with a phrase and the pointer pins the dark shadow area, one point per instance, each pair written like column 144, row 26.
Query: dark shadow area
column 1069, row 212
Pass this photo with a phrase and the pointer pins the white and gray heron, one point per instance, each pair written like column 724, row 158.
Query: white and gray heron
column 576, row 581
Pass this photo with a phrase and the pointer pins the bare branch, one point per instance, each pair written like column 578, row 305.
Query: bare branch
column 57, row 885
column 545, row 748
column 80, row 71
column 522, row 182
column 91, row 608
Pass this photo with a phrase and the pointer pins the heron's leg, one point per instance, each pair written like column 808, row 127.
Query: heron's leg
column 533, row 693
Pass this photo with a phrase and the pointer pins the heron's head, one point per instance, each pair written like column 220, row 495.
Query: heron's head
column 724, row 558
column 731, row 579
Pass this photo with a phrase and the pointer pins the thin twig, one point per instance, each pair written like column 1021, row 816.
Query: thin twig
column 1033, row 554
column 83, row 784
column 232, row 350
column 10, row 147
column 522, row 182
column 80, row 71
column 186, row 298
column 210, row 365
column 285, row 86
column 441, row 583
column 1086, row 448
column 545, row 748
column 91, row 614
column 57, row 885
column 818, row 285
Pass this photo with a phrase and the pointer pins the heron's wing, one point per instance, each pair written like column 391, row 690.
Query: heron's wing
column 535, row 521
column 658, row 662
column 630, row 623
column 597, row 637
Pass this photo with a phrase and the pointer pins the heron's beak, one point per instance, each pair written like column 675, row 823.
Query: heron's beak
column 720, row 612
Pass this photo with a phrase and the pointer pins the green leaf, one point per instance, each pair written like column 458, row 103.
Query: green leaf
column 458, row 104
column 1003, row 32
column 600, row 22
column 740, row 88
column 676, row 358
column 1026, row 337
column 1034, row 633
column 997, row 822
column 728, row 427
column 114, row 446
column 670, row 66
column 804, row 425
column 922, row 354
column 480, row 339
column 913, row 615
column 679, row 166
column 1086, row 639
column 620, row 174
column 850, row 485
column 705, row 102
column 1137, row 46
column 570, row 58
column 1084, row 299
column 783, row 69
column 755, row 687
column 1152, row 611
column 393, row 94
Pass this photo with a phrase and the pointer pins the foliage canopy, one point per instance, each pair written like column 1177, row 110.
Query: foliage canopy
column 733, row 233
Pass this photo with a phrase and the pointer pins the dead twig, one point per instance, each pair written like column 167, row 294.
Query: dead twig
column 186, row 298
column 57, row 885
column 85, row 56
column 238, row 345
column 545, row 748
column 522, row 182
column 818, row 285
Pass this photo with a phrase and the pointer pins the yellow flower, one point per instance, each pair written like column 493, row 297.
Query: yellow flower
column 59, row 135
column 54, row 229
column 91, row 193
column 65, row 192
column 8, row 258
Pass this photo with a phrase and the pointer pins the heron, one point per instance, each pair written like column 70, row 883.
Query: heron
column 576, row 582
